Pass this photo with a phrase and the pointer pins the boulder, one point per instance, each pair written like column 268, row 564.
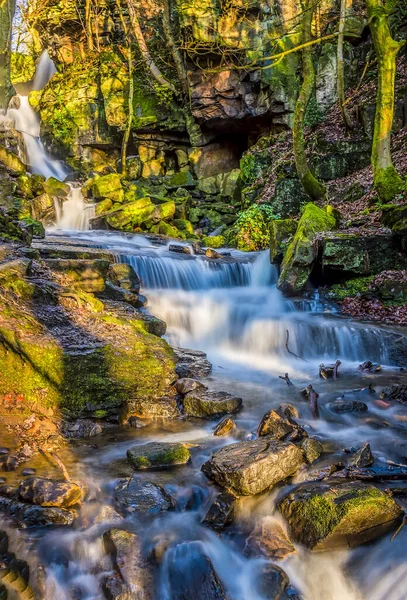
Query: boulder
column 226, row 427
column 275, row 426
column 151, row 408
column 11, row 161
column 281, row 233
column 120, row 294
column 322, row 516
column 123, row 275
column 131, row 215
column 301, row 254
column 251, row 467
column 341, row 406
column 269, row 538
column 394, row 216
column 86, row 275
column 8, row 463
column 108, row 186
column 190, row 573
column 204, row 404
column 158, row 455
column 50, row 493
column 134, row 494
column 81, row 428
column 29, row 515
column 55, row 188
column 221, row 512
column 273, row 582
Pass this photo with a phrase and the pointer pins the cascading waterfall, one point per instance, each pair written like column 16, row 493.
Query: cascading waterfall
column 74, row 213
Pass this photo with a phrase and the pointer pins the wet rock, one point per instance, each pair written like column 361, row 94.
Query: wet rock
column 342, row 406
column 4, row 451
column 124, row 276
column 275, row 426
column 114, row 588
column 81, row 428
column 191, row 574
column 289, row 411
column 250, row 467
column 179, row 249
column 27, row 472
column 186, row 385
column 322, row 516
column 137, row 423
column 269, row 538
column 273, row 582
column 85, row 275
column 50, row 493
column 158, row 455
column 211, row 253
column 28, row 515
column 395, row 392
column 203, row 404
column 362, row 457
column 378, row 472
column 2, row 480
column 325, row 472
column 161, row 408
column 134, row 571
column 312, row 449
column 134, row 494
column 8, row 463
column 119, row 294
column 221, row 512
column 192, row 363
column 225, row 427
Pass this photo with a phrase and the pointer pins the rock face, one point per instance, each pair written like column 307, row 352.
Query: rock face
column 204, row 404
column 249, row 468
column 322, row 516
column 124, row 276
column 157, row 455
column 48, row 492
column 135, row 494
column 85, row 275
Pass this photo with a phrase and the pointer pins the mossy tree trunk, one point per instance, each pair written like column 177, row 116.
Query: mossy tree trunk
column 341, row 66
column 386, row 179
column 7, row 8
column 88, row 24
column 311, row 185
column 130, row 112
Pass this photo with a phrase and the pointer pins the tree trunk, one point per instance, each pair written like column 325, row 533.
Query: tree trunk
column 386, row 179
column 7, row 8
column 88, row 24
column 175, row 51
column 341, row 69
column 311, row 185
column 145, row 53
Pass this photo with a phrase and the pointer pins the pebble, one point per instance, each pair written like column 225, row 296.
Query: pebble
column 27, row 472
column 4, row 451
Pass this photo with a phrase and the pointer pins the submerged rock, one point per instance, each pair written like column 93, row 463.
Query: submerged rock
column 160, row 408
column 347, row 406
column 190, row 573
column 222, row 511
column 156, row 455
column 49, row 492
column 269, row 538
column 135, row 494
column 322, row 516
column 249, row 468
column 81, row 428
column 201, row 403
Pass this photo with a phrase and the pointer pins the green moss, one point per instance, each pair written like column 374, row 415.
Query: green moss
column 214, row 241
column 158, row 455
column 388, row 183
column 281, row 233
column 352, row 288
column 108, row 186
column 36, row 227
column 22, row 67
column 184, row 225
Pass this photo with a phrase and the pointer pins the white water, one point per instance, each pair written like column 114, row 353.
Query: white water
column 74, row 213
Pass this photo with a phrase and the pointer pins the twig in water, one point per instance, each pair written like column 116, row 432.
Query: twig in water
column 404, row 522
column 288, row 349
column 56, row 462
column 286, row 379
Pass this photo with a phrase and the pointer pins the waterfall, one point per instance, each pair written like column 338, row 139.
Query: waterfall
column 74, row 213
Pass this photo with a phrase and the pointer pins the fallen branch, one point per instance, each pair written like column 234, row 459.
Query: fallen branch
column 404, row 522
column 312, row 397
column 286, row 379
column 56, row 462
column 288, row 349
column 329, row 371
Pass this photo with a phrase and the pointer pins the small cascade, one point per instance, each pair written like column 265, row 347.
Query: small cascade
column 74, row 213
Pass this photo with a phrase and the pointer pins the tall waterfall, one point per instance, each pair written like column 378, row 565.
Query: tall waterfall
column 74, row 213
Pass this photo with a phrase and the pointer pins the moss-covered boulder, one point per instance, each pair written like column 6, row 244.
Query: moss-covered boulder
column 124, row 276
column 395, row 217
column 323, row 516
column 281, row 233
column 108, row 186
column 183, row 179
column 86, row 275
column 302, row 252
column 11, row 161
column 54, row 187
column 156, row 455
column 131, row 215
column 214, row 241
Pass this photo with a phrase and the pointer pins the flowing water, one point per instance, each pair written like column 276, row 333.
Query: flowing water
column 232, row 309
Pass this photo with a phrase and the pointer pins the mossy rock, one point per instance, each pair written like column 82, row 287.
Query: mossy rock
column 22, row 67
column 167, row 230
column 118, row 362
column 183, row 179
column 131, row 215
column 37, row 228
column 108, row 186
column 324, row 516
column 158, row 455
column 289, row 197
column 103, row 207
column 351, row 289
column 86, row 275
column 281, row 233
column 214, row 241
column 299, row 259
column 11, row 161
column 395, row 217
column 54, row 187
column 124, row 276
column 184, row 225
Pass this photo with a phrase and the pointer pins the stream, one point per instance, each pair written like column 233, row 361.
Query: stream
column 232, row 310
